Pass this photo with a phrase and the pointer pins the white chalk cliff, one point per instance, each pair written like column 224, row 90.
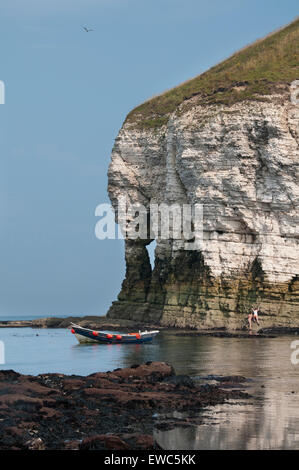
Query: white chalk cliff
column 240, row 160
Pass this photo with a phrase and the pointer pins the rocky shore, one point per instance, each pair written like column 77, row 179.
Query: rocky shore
column 89, row 321
column 111, row 410
column 106, row 323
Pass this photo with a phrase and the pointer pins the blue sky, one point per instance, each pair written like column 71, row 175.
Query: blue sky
column 67, row 94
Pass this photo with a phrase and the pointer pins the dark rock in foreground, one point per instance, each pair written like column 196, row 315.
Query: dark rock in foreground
column 280, row 330
column 111, row 410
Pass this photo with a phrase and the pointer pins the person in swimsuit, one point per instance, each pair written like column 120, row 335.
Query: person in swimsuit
column 253, row 317
column 256, row 315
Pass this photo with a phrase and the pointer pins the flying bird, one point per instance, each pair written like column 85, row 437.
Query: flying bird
column 87, row 29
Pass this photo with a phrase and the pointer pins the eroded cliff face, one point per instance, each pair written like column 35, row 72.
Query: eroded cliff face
column 241, row 163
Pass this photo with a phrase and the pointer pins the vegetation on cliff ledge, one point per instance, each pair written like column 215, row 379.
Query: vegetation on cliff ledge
column 257, row 70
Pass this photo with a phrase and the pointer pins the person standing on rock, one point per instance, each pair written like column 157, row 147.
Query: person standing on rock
column 253, row 316
column 256, row 315
column 250, row 320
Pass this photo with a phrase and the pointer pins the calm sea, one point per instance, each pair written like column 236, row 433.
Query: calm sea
column 31, row 317
column 268, row 421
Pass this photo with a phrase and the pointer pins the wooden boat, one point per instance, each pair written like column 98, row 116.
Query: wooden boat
column 85, row 335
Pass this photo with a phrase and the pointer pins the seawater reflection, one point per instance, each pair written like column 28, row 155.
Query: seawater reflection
column 268, row 421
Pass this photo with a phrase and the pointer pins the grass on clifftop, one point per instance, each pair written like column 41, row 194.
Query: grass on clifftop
column 254, row 71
